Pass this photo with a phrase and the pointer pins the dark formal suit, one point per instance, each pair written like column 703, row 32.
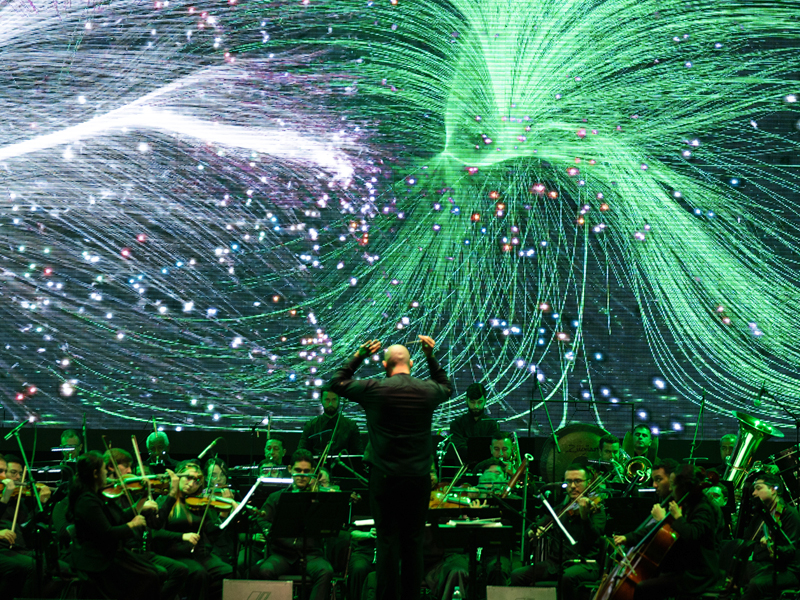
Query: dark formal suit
column 317, row 433
column 399, row 412
column 101, row 530
column 692, row 564
column 464, row 427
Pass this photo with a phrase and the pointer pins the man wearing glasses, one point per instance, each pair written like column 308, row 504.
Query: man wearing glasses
column 285, row 553
column 585, row 519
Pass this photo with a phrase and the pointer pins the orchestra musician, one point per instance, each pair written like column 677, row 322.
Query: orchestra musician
column 610, row 452
column 502, row 449
column 726, row 445
column 188, row 532
column 475, row 422
column 661, row 473
column 158, row 447
column 225, row 544
column 640, row 442
column 692, row 564
column 123, row 459
column 774, row 564
column 285, row 554
column 399, row 410
column 101, row 528
column 17, row 569
column 272, row 465
column 317, row 432
column 585, row 519
column 71, row 439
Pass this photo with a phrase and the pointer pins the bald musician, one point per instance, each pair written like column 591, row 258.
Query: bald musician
column 399, row 411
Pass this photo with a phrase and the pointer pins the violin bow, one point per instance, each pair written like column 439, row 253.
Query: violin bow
column 19, row 498
column 119, row 476
column 141, row 466
column 208, row 504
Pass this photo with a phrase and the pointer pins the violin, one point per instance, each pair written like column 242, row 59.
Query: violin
column 454, row 498
column 134, row 483
column 25, row 489
column 595, row 502
column 219, row 502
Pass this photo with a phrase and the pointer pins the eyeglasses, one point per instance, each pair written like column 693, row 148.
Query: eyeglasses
column 574, row 481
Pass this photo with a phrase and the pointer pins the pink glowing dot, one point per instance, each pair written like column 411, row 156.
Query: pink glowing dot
column 581, row 133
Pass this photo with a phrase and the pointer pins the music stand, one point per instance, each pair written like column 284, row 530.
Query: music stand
column 310, row 515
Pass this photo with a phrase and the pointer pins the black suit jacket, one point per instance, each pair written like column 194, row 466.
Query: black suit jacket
column 399, row 413
column 101, row 528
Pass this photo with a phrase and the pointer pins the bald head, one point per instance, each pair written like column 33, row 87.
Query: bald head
column 396, row 359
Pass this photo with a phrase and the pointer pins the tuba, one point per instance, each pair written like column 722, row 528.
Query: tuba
column 752, row 432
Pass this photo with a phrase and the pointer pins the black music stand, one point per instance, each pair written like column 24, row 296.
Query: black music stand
column 470, row 536
column 310, row 515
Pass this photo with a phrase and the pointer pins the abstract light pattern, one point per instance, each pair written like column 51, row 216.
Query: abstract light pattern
column 207, row 207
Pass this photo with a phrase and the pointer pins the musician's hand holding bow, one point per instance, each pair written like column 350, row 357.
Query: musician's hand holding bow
column 9, row 486
column 658, row 512
column 9, row 536
column 174, row 482
column 192, row 538
column 675, row 510
column 137, row 521
column 620, row 540
column 150, row 505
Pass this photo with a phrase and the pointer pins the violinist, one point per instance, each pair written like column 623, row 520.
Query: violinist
column 691, row 565
column 774, row 565
column 14, row 472
column 17, row 569
column 285, row 553
column 585, row 519
column 124, row 462
column 317, row 432
column 101, row 528
column 225, row 544
column 188, row 532
column 661, row 473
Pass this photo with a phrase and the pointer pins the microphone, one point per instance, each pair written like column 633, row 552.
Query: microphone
column 208, row 448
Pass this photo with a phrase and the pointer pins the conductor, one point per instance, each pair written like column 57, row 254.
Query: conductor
column 399, row 411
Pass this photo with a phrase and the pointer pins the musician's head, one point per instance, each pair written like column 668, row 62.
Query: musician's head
column 70, row 438
column 329, row 400
column 642, row 438
column 609, row 447
column 492, row 474
column 661, row 472
column 219, row 472
column 476, row 399
column 396, row 360
column 157, row 443
column 576, row 479
column 726, row 445
column 122, row 457
column 324, row 478
column 501, row 447
column 767, row 488
column 3, row 467
column 687, row 480
column 302, row 468
column 275, row 450
column 191, row 477
column 90, row 471
column 14, row 468
column 718, row 495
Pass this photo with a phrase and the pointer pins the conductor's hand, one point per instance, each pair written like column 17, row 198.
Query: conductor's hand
column 427, row 344
column 368, row 348
column 192, row 538
column 137, row 521
column 620, row 540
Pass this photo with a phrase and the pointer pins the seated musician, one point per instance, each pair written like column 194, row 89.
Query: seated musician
column 101, row 528
column 661, row 473
column 726, row 445
column 691, row 565
column 189, row 530
column 272, row 465
column 317, row 432
column 14, row 473
column 502, row 449
column 493, row 477
column 773, row 564
column 17, row 569
column 71, row 439
column 124, row 462
column 158, row 448
column 225, row 544
column 585, row 520
column 285, row 553
column 610, row 452
column 474, row 423
column 640, row 442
